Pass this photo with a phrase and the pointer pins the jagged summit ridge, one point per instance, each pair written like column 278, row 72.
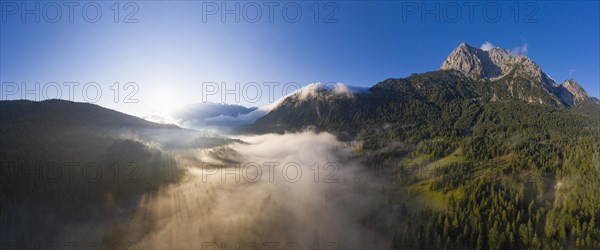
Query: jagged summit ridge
column 496, row 63
column 474, row 62
column 578, row 94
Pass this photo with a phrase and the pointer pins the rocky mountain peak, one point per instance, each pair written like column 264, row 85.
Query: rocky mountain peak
column 471, row 61
column 493, row 63
column 578, row 94
column 511, row 68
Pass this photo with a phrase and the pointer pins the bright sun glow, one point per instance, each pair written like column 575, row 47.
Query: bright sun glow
column 164, row 101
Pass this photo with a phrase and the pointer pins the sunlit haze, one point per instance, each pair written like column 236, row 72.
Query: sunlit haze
column 177, row 46
column 288, row 125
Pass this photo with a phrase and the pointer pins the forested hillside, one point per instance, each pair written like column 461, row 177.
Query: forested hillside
column 65, row 165
column 483, row 168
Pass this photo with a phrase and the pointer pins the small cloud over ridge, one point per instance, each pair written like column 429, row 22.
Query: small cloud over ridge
column 487, row 46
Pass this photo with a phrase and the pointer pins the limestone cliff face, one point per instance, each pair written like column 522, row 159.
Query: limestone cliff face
column 473, row 62
column 574, row 92
column 500, row 65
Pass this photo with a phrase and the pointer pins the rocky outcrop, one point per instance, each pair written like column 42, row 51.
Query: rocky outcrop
column 472, row 62
column 572, row 93
column 496, row 63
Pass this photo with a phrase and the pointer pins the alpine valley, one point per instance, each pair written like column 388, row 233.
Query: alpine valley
column 491, row 151
column 487, row 152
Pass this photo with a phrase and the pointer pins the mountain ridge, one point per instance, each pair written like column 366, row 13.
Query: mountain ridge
column 496, row 63
column 469, row 78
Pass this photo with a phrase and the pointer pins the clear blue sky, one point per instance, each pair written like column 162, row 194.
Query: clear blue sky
column 171, row 50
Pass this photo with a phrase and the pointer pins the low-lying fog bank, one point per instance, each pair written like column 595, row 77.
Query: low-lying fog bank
column 292, row 191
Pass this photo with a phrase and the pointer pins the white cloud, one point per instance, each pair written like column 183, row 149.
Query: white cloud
column 520, row 50
column 240, row 119
column 335, row 89
column 514, row 52
column 487, row 46
column 524, row 48
column 159, row 117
